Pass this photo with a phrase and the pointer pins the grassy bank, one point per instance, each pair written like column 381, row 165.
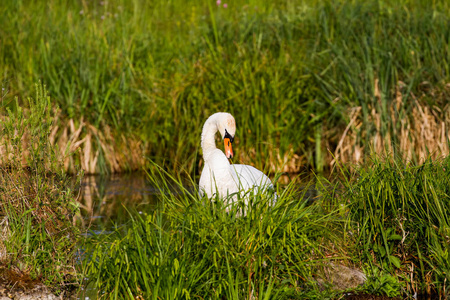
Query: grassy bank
column 302, row 79
column 398, row 218
column 37, row 203
column 388, row 219
column 191, row 247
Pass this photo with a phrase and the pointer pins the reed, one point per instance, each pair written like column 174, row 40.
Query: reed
column 303, row 81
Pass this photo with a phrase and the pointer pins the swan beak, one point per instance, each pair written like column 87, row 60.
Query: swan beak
column 228, row 149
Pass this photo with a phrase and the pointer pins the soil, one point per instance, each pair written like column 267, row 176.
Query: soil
column 360, row 296
column 18, row 285
column 11, row 292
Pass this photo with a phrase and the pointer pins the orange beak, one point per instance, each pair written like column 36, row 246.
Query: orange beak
column 228, row 149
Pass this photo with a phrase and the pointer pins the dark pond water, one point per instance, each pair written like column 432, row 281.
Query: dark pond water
column 106, row 200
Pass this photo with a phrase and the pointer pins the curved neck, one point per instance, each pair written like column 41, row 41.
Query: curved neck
column 208, row 133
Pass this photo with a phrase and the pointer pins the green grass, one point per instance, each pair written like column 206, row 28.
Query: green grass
column 190, row 247
column 398, row 216
column 388, row 218
column 144, row 76
column 290, row 72
column 37, row 202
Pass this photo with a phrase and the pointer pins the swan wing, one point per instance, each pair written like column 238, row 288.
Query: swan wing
column 248, row 177
column 217, row 177
column 218, row 181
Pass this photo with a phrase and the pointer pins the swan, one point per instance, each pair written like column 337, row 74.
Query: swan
column 218, row 175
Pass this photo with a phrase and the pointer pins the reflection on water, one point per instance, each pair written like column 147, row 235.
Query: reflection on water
column 105, row 199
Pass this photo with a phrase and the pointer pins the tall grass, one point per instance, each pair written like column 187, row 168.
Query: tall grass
column 142, row 77
column 388, row 218
column 37, row 201
column 398, row 216
column 191, row 247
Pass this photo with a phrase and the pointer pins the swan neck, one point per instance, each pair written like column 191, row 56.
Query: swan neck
column 208, row 133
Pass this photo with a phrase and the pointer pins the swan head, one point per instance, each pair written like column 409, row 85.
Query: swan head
column 225, row 124
column 227, row 128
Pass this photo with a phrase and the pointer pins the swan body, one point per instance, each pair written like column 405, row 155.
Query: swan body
column 218, row 175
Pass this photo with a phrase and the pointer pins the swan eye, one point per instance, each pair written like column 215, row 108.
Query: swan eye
column 228, row 136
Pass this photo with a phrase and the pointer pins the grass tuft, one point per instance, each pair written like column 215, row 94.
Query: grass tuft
column 194, row 247
column 398, row 218
column 37, row 201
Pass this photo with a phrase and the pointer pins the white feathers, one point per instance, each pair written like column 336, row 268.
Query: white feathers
column 218, row 175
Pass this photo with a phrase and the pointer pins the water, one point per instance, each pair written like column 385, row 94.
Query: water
column 106, row 200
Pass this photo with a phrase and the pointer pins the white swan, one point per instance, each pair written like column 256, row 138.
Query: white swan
column 218, row 175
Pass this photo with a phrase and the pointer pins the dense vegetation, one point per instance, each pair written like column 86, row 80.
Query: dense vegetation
column 388, row 219
column 38, row 238
column 398, row 215
column 312, row 83
column 192, row 247
column 301, row 77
